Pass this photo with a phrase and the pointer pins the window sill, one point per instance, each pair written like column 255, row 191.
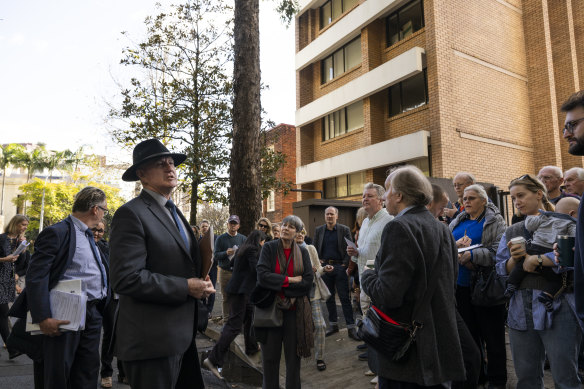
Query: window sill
column 404, row 41
column 340, row 77
column 322, row 30
column 326, row 142
column 408, row 113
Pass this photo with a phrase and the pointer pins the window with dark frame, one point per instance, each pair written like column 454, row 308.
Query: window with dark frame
column 333, row 9
column 408, row 94
column 345, row 185
column 342, row 60
column 342, row 121
column 404, row 22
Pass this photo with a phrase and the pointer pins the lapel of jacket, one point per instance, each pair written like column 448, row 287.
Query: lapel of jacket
column 320, row 239
column 160, row 214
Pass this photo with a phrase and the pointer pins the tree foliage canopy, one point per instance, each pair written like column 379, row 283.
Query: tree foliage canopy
column 184, row 96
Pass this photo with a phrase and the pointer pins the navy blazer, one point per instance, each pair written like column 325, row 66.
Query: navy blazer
column 53, row 252
column 342, row 232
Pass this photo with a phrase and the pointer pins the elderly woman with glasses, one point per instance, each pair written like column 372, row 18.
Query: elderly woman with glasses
column 481, row 222
column 265, row 225
column 533, row 331
column 285, row 268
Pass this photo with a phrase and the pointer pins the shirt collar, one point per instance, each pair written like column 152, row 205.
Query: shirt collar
column 79, row 224
column 378, row 214
column 406, row 209
column 160, row 199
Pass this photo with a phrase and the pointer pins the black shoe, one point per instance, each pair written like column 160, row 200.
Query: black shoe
column 320, row 365
column 362, row 347
column 364, row 356
column 14, row 354
column 334, row 329
column 353, row 334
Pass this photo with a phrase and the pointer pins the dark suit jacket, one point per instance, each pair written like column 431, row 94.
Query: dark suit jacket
column 416, row 248
column 150, row 265
column 244, row 275
column 342, row 232
column 53, row 253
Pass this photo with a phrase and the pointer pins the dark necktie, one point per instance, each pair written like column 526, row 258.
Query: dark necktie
column 170, row 205
column 89, row 236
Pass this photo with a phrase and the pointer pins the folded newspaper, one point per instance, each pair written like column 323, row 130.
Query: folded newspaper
column 21, row 247
column 68, row 302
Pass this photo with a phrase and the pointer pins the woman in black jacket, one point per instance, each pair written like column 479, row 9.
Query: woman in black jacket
column 285, row 268
column 237, row 292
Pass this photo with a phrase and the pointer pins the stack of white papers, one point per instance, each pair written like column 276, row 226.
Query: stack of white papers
column 68, row 302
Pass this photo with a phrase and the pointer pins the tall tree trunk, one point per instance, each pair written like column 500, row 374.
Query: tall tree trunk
column 244, row 170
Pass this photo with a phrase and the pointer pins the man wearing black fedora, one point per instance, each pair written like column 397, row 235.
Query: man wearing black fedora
column 156, row 270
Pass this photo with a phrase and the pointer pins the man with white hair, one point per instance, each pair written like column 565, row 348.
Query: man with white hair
column 574, row 181
column 460, row 181
column 552, row 178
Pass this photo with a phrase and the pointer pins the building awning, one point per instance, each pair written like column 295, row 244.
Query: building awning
column 402, row 149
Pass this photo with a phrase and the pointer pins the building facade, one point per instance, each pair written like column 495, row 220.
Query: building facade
column 282, row 139
column 445, row 85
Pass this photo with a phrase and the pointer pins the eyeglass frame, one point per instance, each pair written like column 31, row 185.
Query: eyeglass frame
column 101, row 231
column 105, row 210
column 569, row 127
column 263, row 225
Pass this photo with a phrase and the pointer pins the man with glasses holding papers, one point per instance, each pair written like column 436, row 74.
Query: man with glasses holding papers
column 66, row 251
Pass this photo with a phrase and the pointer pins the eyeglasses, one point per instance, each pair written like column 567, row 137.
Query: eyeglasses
column 458, row 185
column 569, row 127
column 546, row 178
column 263, row 226
column 98, row 230
column 105, row 210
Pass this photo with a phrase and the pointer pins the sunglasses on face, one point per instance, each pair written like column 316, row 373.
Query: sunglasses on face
column 262, row 225
column 98, row 230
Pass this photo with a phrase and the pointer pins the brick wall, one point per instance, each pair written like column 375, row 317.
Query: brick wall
column 497, row 70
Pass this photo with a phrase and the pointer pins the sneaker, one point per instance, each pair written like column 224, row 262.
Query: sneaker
column 375, row 380
column 369, row 373
column 207, row 364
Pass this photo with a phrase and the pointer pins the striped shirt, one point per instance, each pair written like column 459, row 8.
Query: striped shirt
column 84, row 265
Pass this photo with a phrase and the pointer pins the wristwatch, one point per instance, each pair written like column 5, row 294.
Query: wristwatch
column 540, row 262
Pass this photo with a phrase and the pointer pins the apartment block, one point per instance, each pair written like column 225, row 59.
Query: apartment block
column 282, row 139
column 448, row 85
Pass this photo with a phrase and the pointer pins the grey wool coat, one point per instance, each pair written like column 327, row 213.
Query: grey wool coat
column 414, row 249
column 493, row 230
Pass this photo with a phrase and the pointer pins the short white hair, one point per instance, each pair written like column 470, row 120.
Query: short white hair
column 479, row 190
column 557, row 171
column 466, row 175
column 378, row 188
column 578, row 170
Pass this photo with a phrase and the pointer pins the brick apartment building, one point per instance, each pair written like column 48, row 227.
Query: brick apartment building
column 447, row 85
column 278, row 205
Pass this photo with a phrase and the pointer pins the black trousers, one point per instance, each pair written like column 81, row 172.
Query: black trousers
column 471, row 356
column 487, row 326
column 174, row 372
column 272, row 352
column 107, row 352
column 71, row 360
column 338, row 279
column 4, row 323
column 240, row 313
column 213, row 278
column 386, row 383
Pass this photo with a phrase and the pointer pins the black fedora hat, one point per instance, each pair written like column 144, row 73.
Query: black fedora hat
column 147, row 150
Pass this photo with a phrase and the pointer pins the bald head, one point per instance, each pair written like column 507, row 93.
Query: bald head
column 568, row 206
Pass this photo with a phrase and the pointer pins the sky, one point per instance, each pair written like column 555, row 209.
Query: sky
column 59, row 62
